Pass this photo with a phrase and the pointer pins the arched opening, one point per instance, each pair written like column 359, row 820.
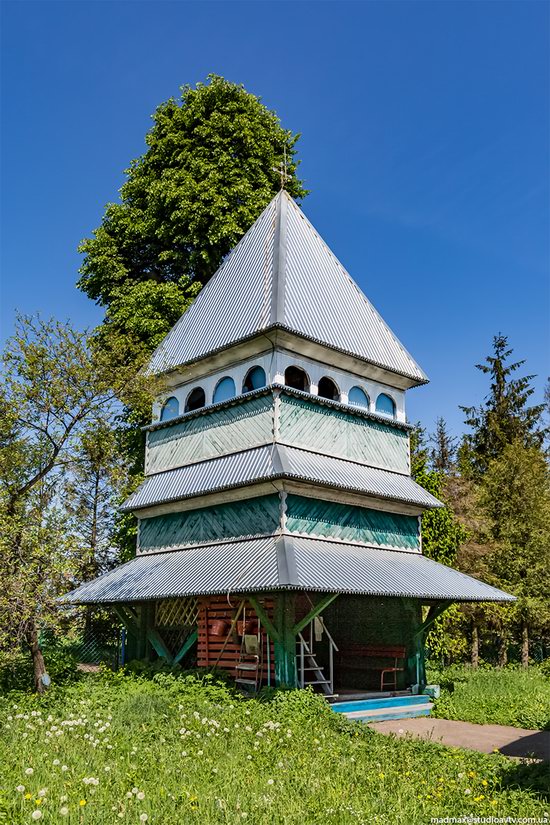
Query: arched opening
column 358, row 398
column 328, row 389
column 297, row 379
column 195, row 400
column 385, row 405
column 170, row 409
column 255, row 379
column 225, row 389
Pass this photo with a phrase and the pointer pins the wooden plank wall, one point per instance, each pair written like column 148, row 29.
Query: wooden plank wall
column 209, row 645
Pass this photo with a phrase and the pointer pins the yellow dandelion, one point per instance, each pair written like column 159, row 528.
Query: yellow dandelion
column 381, row 775
column 82, row 803
column 484, row 782
column 28, row 796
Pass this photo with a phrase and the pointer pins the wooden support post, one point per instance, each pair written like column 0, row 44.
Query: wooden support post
column 434, row 612
column 315, row 610
column 158, row 644
column 264, row 618
column 186, row 647
column 285, row 644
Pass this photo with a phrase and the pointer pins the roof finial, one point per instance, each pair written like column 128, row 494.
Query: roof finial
column 283, row 171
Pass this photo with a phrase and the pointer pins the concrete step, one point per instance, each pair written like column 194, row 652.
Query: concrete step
column 395, row 707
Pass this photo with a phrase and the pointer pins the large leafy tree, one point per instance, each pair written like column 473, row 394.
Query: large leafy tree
column 54, row 388
column 442, row 537
column 209, row 169
column 504, row 416
column 515, row 496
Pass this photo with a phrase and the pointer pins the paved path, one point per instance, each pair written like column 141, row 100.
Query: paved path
column 516, row 742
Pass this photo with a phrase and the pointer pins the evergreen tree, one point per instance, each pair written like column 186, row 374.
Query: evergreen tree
column 443, row 451
column 504, row 416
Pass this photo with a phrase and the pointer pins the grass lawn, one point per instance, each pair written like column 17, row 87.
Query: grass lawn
column 506, row 696
column 114, row 748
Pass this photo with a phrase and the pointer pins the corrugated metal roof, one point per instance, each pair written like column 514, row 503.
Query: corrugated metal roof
column 238, row 566
column 282, row 274
column 276, row 461
column 330, row 566
column 287, row 563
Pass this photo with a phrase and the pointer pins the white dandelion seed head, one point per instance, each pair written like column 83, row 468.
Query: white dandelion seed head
column 143, row 817
column 36, row 814
column 140, row 795
column 29, row 771
column 64, row 811
column 20, row 788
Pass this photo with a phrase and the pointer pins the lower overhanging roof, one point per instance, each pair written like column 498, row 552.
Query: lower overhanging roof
column 273, row 461
column 284, row 562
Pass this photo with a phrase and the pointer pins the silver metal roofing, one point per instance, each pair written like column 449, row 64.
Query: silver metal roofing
column 283, row 563
column 281, row 274
column 276, row 461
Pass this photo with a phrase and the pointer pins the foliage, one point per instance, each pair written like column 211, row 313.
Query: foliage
column 54, row 389
column 443, row 451
column 186, row 750
column 504, row 416
column 16, row 672
column 209, row 170
column 507, row 696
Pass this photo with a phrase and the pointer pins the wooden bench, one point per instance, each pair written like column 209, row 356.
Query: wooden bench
column 388, row 658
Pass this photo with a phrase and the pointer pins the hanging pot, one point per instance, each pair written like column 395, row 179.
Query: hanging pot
column 247, row 627
column 219, row 627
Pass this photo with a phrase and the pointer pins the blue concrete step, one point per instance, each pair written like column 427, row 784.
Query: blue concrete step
column 391, row 707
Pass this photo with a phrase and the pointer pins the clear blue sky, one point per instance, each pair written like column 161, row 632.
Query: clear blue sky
column 425, row 145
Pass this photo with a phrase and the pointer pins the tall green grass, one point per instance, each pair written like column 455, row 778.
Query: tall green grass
column 506, row 696
column 174, row 751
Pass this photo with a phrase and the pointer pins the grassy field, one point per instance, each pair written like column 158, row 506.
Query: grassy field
column 516, row 697
column 115, row 748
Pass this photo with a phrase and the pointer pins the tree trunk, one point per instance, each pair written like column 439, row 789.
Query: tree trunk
column 475, row 645
column 503, row 652
column 524, row 645
column 39, row 668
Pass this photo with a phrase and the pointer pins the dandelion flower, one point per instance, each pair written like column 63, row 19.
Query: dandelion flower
column 36, row 814
column 200, row 753
column 270, row 781
column 20, row 789
column 129, row 795
column 28, row 796
column 29, row 771
column 140, row 795
column 135, row 790
column 82, row 803
column 143, row 817
column 56, row 762
column 64, row 811
column 64, row 768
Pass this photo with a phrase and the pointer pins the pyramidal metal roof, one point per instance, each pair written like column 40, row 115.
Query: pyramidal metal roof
column 282, row 275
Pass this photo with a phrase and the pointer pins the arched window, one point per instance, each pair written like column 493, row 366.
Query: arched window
column 358, row 398
column 225, row 389
column 297, row 379
column 195, row 400
column 170, row 409
column 328, row 389
column 385, row 405
column 255, row 379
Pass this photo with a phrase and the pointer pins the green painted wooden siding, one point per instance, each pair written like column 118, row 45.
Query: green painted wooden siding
column 237, row 519
column 334, row 432
column 222, row 431
column 313, row 517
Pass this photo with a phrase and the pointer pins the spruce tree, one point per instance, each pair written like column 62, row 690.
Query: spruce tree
column 504, row 416
column 443, row 451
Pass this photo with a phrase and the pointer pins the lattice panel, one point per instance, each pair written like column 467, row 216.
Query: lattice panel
column 177, row 612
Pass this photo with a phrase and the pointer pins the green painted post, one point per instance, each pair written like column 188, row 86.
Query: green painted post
column 285, row 645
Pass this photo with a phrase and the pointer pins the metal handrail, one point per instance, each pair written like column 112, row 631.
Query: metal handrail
column 305, row 650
